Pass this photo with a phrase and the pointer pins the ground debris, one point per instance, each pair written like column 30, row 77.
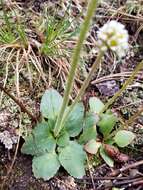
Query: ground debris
column 8, row 139
column 108, row 88
column 5, row 117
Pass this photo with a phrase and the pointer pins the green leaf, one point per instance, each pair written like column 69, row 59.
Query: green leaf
column 106, row 158
column 107, row 123
column 96, row 105
column 63, row 139
column 72, row 158
column 39, row 141
column 51, row 104
column 109, row 141
column 51, row 124
column 74, row 122
column 45, row 166
column 124, row 138
column 90, row 120
column 88, row 134
column 92, row 146
column 89, row 128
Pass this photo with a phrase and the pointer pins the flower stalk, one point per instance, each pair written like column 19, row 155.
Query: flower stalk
column 75, row 59
column 85, row 84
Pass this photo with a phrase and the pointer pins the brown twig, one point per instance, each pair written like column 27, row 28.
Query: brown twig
column 121, row 181
column 138, row 182
column 124, row 168
column 137, row 179
column 114, row 76
column 109, row 178
column 19, row 103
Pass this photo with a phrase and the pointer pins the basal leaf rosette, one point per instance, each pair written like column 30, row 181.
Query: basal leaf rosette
column 114, row 36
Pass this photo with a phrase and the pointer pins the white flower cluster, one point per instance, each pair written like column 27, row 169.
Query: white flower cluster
column 7, row 139
column 113, row 35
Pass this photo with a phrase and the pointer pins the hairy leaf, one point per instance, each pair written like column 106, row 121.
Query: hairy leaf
column 51, row 104
column 72, row 158
column 45, row 166
column 63, row 139
column 74, row 122
column 39, row 141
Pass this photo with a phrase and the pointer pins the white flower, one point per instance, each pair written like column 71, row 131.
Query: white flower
column 113, row 35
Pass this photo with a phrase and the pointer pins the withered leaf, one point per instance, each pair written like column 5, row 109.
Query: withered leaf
column 108, row 88
column 114, row 153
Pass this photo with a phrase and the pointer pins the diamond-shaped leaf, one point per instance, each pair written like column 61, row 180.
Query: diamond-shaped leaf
column 45, row 166
column 124, row 138
column 39, row 141
column 51, row 104
column 72, row 158
column 96, row 105
column 74, row 122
